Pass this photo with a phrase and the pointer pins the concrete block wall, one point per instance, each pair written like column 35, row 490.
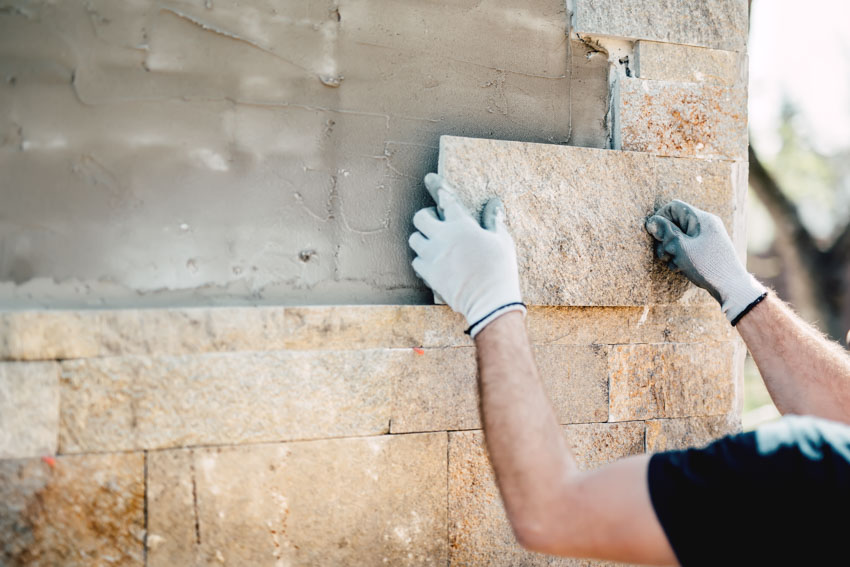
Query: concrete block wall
column 349, row 434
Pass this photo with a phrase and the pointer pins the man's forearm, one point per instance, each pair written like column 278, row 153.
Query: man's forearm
column 804, row 372
column 552, row 506
column 527, row 448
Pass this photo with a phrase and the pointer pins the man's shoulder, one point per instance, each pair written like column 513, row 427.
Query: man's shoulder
column 813, row 438
column 785, row 475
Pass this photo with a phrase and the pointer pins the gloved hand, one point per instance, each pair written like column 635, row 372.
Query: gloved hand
column 473, row 268
column 695, row 242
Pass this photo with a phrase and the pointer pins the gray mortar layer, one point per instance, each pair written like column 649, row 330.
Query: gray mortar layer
column 176, row 152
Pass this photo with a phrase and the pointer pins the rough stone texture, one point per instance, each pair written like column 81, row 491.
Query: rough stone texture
column 438, row 390
column 671, row 380
column 672, row 434
column 479, row 532
column 721, row 24
column 129, row 403
column 75, row 510
column 334, row 327
column 618, row 325
column 367, row 501
column 444, row 327
column 45, row 335
column 354, row 327
column 29, row 409
column 577, row 215
column 187, row 331
column 681, row 119
column 40, row 335
column 682, row 63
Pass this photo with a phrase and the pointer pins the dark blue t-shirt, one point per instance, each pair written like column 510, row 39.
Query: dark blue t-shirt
column 776, row 496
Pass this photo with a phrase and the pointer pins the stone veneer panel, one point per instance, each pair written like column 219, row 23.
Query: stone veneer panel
column 48, row 335
column 681, row 120
column 682, row 433
column 73, row 510
column 187, row 331
column 351, row 327
column 44, row 335
column 366, row 501
column 577, row 215
column 93, row 334
column 479, row 532
column 125, row 403
column 438, row 391
column 29, row 409
column 682, row 63
column 721, row 24
column 623, row 325
column 671, row 380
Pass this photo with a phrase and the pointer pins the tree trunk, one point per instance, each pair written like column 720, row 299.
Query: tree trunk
column 815, row 277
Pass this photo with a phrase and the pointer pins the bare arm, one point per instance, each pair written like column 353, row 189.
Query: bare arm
column 553, row 507
column 804, row 372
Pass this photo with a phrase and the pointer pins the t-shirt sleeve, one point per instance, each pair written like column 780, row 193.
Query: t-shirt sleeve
column 756, row 498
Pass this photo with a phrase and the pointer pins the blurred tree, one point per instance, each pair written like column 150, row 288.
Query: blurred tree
column 814, row 265
column 814, row 269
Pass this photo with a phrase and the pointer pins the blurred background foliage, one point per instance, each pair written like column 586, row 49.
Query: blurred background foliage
column 799, row 200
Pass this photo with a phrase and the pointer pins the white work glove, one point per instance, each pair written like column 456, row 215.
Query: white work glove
column 695, row 243
column 473, row 268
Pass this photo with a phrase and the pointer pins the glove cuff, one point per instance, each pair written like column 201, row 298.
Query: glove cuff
column 743, row 297
column 749, row 308
column 477, row 326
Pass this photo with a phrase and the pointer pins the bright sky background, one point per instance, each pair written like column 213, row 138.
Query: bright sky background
column 801, row 49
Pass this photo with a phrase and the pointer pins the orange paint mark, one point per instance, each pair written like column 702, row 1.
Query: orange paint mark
column 50, row 461
column 418, row 350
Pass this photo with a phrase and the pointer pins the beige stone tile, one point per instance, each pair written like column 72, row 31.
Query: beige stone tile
column 575, row 380
column 721, row 24
column 361, row 501
column 47, row 335
column 172, row 494
column 136, row 402
column 618, row 325
column 479, row 532
column 650, row 381
column 60, row 334
column 344, row 327
column 444, row 327
column 437, row 390
column 187, row 331
column 29, row 409
column 73, row 510
column 577, row 215
column 682, row 433
column 681, row 119
column 683, row 63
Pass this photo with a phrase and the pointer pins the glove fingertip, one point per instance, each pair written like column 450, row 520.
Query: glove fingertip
column 493, row 217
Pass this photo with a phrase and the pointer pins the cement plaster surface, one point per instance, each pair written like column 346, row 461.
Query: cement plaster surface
column 181, row 152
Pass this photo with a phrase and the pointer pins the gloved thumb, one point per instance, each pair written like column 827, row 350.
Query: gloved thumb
column 661, row 228
column 493, row 217
column 433, row 183
column 448, row 205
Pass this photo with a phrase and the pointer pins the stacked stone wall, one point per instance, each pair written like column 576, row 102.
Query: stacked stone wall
column 350, row 435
